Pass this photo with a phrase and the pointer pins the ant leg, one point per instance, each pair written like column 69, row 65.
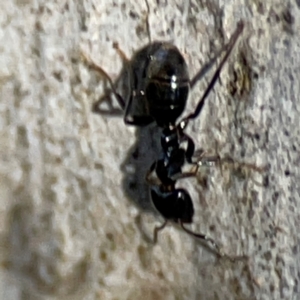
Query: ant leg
column 196, row 166
column 157, row 229
column 233, row 39
column 190, row 145
column 203, row 237
column 190, row 151
column 243, row 165
column 150, row 179
column 186, row 174
column 208, row 159
column 91, row 64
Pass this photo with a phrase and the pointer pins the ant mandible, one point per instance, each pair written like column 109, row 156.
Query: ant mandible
column 159, row 89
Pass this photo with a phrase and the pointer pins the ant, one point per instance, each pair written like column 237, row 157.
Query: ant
column 160, row 84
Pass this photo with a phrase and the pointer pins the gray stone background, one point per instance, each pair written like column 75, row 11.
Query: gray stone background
column 75, row 216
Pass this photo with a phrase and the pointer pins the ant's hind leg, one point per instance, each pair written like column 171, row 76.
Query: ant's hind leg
column 157, row 229
column 207, row 239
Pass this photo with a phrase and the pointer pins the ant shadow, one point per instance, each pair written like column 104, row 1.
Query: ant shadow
column 139, row 159
column 146, row 148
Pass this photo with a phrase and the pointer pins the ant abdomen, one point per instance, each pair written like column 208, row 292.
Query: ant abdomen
column 167, row 84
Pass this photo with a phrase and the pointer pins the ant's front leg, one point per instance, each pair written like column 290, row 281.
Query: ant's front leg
column 200, row 157
column 203, row 161
column 189, row 152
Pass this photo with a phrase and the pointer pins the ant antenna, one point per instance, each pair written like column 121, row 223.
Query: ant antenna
column 198, row 109
column 147, row 22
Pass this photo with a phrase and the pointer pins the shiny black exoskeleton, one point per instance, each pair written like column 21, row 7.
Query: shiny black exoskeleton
column 160, row 84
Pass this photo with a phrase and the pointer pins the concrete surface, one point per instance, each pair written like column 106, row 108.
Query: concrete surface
column 76, row 221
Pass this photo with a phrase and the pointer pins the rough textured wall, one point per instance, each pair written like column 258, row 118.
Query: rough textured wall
column 75, row 216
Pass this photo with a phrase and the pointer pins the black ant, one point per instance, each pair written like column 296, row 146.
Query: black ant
column 159, row 90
